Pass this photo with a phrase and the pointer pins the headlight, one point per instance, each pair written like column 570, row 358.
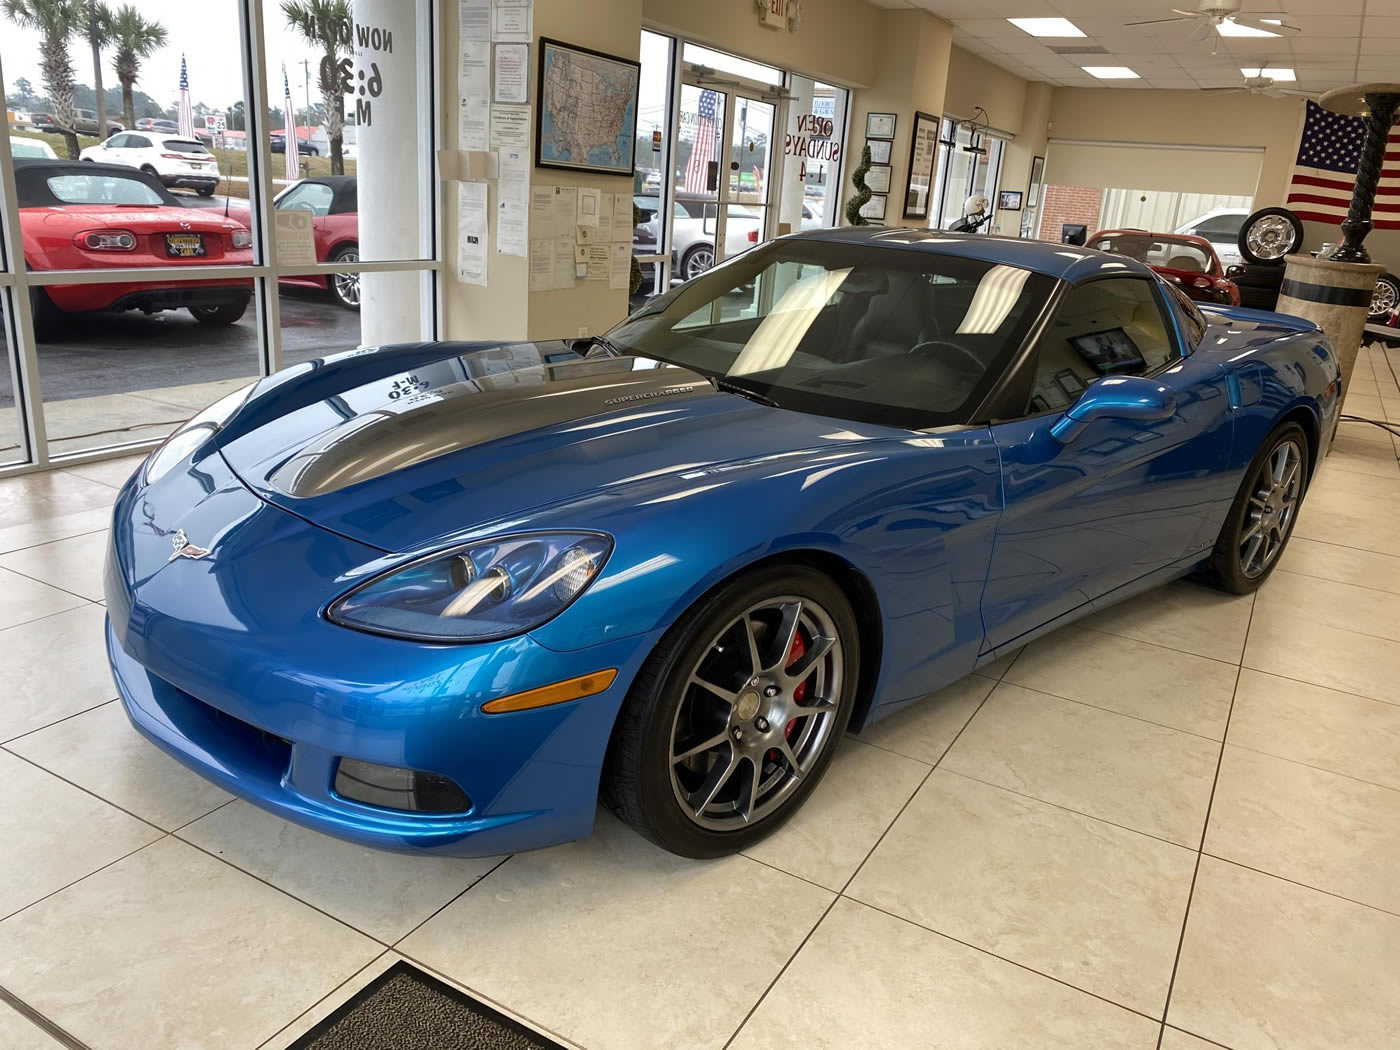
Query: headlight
column 194, row 432
column 481, row 592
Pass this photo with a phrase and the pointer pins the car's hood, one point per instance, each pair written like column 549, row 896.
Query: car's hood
column 422, row 456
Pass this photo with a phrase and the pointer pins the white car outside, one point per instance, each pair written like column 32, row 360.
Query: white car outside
column 693, row 231
column 27, row 147
column 175, row 161
column 1222, row 228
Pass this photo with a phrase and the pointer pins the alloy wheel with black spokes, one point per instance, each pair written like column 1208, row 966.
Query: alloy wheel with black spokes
column 1264, row 512
column 733, row 720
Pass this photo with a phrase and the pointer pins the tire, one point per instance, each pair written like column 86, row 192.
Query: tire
column 665, row 712
column 697, row 259
column 1261, row 275
column 345, row 287
column 1384, row 299
column 1270, row 234
column 218, row 316
column 1232, row 566
column 205, row 191
column 48, row 318
column 151, row 171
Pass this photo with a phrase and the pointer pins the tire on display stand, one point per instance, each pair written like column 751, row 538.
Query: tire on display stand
column 1269, row 235
column 1385, row 299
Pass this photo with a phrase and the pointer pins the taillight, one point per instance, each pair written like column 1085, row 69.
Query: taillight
column 241, row 239
column 107, row 240
column 174, row 156
column 1201, row 282
column 753, row 236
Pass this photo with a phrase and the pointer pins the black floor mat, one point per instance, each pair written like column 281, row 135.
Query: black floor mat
column 406, row 1009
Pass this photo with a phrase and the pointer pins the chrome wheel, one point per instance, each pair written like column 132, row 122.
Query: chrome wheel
column 1384, row 298
column 758, row 713
column 346, row 286
column 1271, row 237
column 1271, row 508
column 698, row 261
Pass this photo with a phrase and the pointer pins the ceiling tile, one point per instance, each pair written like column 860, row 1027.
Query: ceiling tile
column 988, row 27
column 1324, row 25
column 1317, row 7
column 1388, row 28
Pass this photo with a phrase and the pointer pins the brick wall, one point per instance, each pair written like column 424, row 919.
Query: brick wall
column 1063, row 204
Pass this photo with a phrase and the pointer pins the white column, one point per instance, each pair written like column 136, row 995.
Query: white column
column 385, row 99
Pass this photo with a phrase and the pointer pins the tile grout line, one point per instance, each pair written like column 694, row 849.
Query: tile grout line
column 454, row 899
column 1084, row 626
column 323, row 998
column 40, row 1021
column 1344, row 583
column 58, row 721
column 1320, row 769
column 1205, row 829
column 1301, row 885
column 56, row 539
column 1113, row 711
column 842, row 892
column 57, row 612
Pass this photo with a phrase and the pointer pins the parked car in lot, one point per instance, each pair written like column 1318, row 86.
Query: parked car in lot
column 1190, row 263
column 279, row 145
column 85, row 123
column 172, row 160
column 333, row 202
column 693, row 231
column 1220, row 226
column 158, row 124
column 422, row 605
column 85, row 216
column 27, row 147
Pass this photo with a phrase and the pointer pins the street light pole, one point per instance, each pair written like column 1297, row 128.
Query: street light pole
column 306, row 69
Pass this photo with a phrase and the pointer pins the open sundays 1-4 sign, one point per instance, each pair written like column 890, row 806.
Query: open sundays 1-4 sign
column 812, row 141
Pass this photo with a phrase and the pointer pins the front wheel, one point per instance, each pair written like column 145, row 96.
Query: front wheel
column 345, row 287
column 218, row 316
column 697, row 259
column 735, row 717
column 1262, row 517
column 1385, row 299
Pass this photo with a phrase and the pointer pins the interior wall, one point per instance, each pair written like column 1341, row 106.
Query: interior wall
column 835, row 40
column 1020, row 152
column 973, row 82
column 1188, row 118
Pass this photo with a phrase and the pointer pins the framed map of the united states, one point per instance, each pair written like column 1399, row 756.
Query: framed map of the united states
column 587, row 118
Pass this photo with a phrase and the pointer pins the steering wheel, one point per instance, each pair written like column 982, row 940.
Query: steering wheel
column 977, row 364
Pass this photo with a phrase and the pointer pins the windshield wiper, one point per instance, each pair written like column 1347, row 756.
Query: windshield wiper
column 743, row 391
column 604, row 342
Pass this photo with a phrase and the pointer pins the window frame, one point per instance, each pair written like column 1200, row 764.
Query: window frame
column 1001, row 405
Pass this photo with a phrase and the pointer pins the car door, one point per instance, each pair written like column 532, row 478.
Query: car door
column 130, row 150
column 1123, row 497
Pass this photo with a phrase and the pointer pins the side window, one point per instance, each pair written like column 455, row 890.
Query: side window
column 1192, row 323
column 1108, row 327
column 137, row 142
column 1221, row 228
column 314, row 197
column 117, row 141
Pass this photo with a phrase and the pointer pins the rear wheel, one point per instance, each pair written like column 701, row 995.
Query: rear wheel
column 1262, row 517
column 345, row 287
column 697, row 259
column 48, row 319
column 1385, row 299
column 205, row 191
column 218, row 316
column 735, row 717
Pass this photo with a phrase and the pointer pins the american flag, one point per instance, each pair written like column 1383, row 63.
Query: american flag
column 289, row 131
column 186, row 115
column 702, row 147
column 1325, row 174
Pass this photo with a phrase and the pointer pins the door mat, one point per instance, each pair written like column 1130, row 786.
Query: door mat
column 406, row 1009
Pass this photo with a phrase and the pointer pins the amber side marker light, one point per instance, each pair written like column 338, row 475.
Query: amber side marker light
column 558, row 693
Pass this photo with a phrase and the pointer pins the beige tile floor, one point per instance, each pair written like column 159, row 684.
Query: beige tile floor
column 1173, row 825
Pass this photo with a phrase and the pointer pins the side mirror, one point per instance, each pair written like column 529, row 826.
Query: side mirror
column 1116, row 397
column 1234, row 271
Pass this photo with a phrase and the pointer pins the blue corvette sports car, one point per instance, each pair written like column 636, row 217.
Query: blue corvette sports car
column 443, row 596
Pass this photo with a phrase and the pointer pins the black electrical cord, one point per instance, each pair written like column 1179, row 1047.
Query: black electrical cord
column 1374, row 422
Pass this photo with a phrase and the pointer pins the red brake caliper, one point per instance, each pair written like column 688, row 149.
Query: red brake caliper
column 799, row 650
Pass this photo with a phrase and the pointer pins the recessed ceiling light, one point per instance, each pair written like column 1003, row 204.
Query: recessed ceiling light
column 1047, row 26
column 1279, row 76
column 1110, row 72
column 1229, row 28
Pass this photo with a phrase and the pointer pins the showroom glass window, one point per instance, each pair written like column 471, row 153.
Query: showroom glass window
column 211, row 301
column 1102, row 328
column 968, row 163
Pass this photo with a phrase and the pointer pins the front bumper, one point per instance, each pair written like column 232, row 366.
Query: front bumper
column 227, row 665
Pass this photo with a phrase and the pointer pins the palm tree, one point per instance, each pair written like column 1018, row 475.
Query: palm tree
column 135, row 39
column 55, row 21
column 95, row 22
column 326, row 23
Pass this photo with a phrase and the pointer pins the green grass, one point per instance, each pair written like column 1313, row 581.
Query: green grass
column 232, row 162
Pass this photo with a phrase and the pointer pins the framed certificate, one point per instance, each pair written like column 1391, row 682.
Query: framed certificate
column 879, row 150
column 878, row 178
column 874, row 208
column 1009, row 200
column 879, row 125
column 922, row 151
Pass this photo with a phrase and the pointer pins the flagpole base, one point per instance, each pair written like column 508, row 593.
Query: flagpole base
column 1336, row 296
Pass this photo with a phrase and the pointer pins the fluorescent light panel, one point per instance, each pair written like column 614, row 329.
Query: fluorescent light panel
column 1229, row 28
column 1047, row 26
column 1110, row 72
column 1279, row 76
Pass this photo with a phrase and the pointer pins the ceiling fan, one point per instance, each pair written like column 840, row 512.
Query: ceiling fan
column 1263, row 84
column 1216, row 13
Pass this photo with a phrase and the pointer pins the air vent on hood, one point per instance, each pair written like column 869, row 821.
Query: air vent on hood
column 1079, row 49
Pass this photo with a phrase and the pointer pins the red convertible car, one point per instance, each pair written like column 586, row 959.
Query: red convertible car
column 334, row 204
column 84, row 216
column 1190, row 263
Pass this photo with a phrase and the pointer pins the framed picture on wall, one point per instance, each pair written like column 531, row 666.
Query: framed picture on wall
column 1009, row 200
column 878, row 178
column 874, row 208
column 879, row 125
column 1037, row 177
column 923, row 148
column 599, row 137
column 879, row 150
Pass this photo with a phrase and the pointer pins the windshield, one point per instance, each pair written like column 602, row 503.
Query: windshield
column 102, row 189
column 1155, row 249
column 184, row 145
column 871, row 333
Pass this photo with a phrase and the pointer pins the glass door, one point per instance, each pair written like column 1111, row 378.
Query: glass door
column 698, row 220
column 746, row 203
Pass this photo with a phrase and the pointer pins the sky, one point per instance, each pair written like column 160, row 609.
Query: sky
column 207, row 32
